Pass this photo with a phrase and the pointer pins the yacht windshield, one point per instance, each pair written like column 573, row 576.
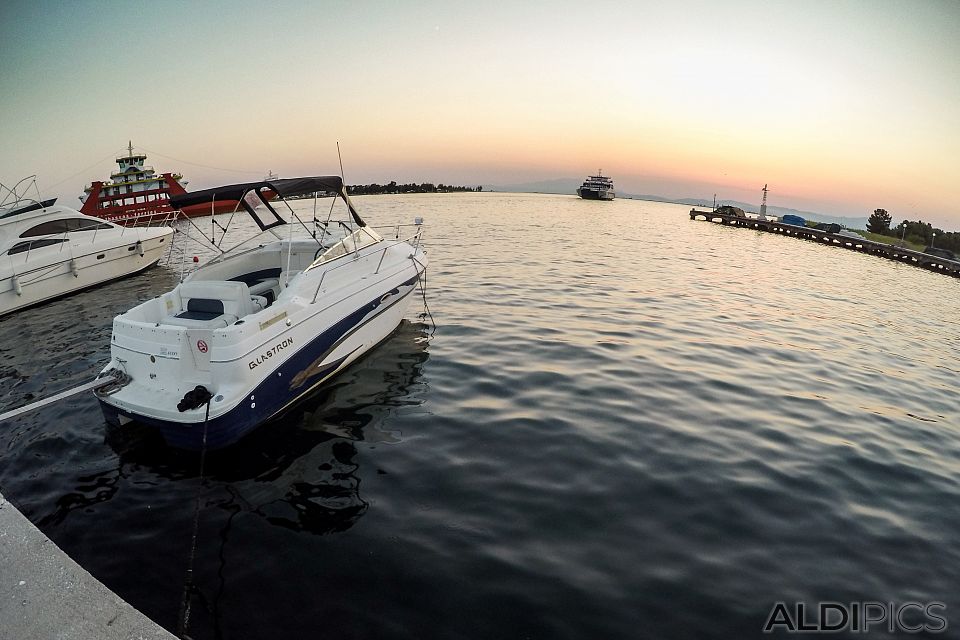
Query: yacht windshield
column 362, row 237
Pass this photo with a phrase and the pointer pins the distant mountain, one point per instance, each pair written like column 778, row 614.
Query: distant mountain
column 569, row 186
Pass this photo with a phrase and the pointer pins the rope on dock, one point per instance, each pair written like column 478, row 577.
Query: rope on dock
column 189, row 587
column 95, row 384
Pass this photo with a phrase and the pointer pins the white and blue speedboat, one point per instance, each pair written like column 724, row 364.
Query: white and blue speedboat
column 252, row 332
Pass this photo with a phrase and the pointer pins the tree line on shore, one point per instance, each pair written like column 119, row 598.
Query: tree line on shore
column 393, row 187
column 918, row 232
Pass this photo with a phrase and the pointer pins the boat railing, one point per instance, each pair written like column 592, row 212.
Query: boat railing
column 396, row 228
column 66, row 242
column 20, row 203
column 413, row 240
column 12, row 199
column 144, row 217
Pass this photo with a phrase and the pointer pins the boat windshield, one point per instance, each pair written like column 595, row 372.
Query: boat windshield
column 362, row 237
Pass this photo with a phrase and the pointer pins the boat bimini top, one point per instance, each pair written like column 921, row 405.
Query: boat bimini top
column 256, row 196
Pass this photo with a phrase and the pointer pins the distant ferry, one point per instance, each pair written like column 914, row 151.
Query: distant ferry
column 596, row 187
column 135, row 194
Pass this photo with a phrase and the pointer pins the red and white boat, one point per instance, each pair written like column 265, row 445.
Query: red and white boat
column 136, row 195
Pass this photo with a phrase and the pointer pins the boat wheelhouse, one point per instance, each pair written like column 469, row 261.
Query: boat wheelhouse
column 598, row 187
column 135, row 194
column 254, row 331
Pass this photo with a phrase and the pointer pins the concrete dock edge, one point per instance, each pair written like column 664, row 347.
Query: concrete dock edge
column 45, row 595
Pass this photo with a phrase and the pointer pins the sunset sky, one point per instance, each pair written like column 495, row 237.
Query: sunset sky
column 841, row 106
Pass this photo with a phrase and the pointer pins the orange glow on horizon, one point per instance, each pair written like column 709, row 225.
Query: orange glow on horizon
column 846, row 108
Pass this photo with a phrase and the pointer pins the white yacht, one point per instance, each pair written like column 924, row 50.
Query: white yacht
column 250, row 333
column 49, row 250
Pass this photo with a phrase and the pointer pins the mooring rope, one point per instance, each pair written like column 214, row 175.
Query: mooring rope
column 188, row 586
column 422, row 281
column 106, row 379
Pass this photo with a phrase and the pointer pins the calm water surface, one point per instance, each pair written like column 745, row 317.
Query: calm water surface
column 626, row 425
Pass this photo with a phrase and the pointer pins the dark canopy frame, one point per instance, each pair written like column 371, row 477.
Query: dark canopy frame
column 30, row 207
column 284, row 188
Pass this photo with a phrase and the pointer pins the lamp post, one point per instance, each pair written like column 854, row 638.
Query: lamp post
column 932, row 238
column 903, row 238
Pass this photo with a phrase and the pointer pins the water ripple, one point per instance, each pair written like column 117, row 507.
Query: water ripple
column 626, row 425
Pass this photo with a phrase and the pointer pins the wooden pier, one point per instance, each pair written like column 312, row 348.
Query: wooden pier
column 889, row 251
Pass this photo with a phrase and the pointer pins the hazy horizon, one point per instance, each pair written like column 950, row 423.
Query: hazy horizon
column 841, row 108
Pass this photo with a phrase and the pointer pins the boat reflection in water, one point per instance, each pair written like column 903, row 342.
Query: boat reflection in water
column 307, row 456
column 300, row 473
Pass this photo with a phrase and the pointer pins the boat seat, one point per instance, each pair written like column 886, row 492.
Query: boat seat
column 202, row 309
column 259, row 303
column 269, row 289
column 218, row 322
column 213, row 304
column 263, row 286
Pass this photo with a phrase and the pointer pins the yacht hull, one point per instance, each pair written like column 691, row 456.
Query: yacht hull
column 49, row 280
